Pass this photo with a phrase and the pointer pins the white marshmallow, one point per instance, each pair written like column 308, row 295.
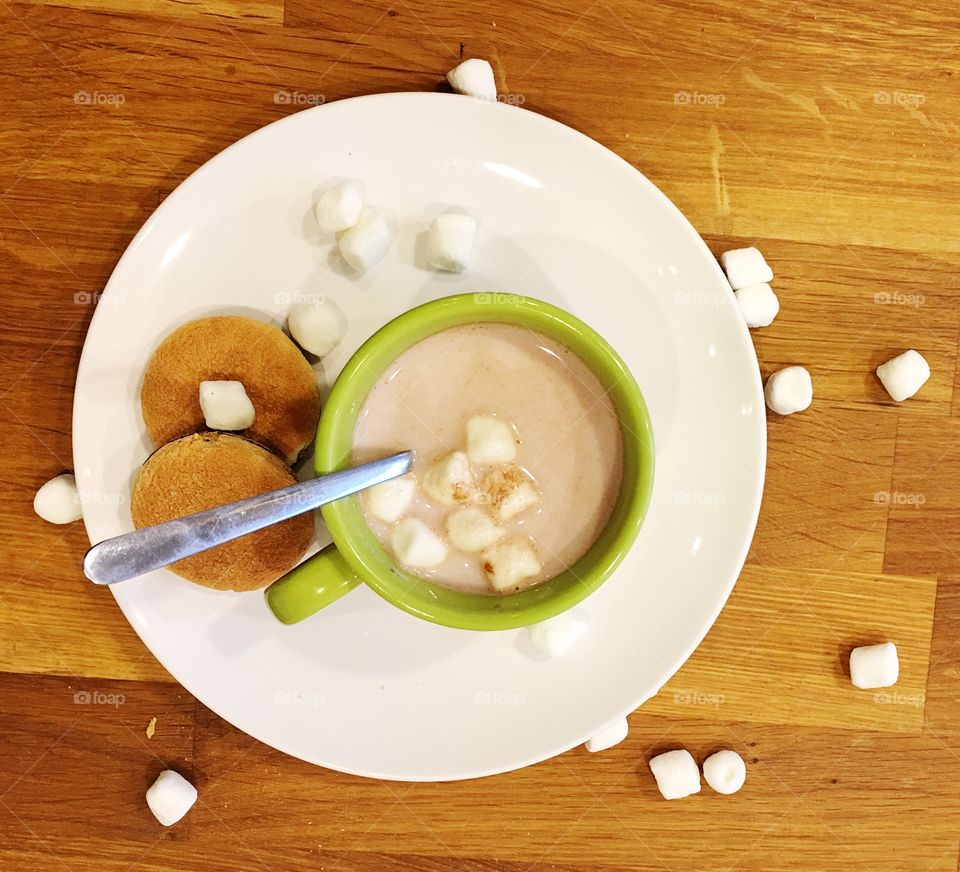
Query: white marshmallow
column 874, row 666
column 317, row 325
column 557, row 635
column 170, row 797
column 365, row 244
column 472, row 529
column 490, row 440
column 677, row 774
column 789, row 390
column 339, row 208
column 904, row 375
column 745, row 267
column 474, row 77
column 759, row 304
column 450, row 241
column 58, row 500
column 225, row 405
column 509, row 491
column 508, row 564
column 389, row 500
column 416, row 545
column 610, row 735
column 450, row 480
column 725, row 771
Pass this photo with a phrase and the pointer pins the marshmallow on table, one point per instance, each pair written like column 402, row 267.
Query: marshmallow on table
column 416, row 545
column 317, row 325
column 390, row 499
column 725, row 771
column 789, row 390
column 339, row 208
column 450, row 480
column 365, row 244
column 904, row 375
column 225, row 405
column 610, row 735
column 509, row 563
column 557, row 635
column 490, row 440
column 759, row 304
column 472, row 529
column 450, row 241
column 510, row 491
column 874, row 666
column 58, row 500
column 676, row 773
column 474, row 77
column 170, row 797
column 745, row 267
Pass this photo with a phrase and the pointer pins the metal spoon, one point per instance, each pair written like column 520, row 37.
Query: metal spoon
column 150, row 548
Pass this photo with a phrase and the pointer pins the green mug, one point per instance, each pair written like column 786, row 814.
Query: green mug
column 357, row 557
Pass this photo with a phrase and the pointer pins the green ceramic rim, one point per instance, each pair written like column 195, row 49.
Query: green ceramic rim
column 360, row 547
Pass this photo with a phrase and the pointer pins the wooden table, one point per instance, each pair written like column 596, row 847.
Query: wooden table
column 825, row 133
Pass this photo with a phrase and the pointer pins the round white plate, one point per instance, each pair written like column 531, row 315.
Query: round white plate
column 363, row 687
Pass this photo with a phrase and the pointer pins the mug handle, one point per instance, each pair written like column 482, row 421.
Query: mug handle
column 311, row 586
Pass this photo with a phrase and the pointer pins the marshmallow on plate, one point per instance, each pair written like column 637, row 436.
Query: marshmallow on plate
column 317, row 325
column 339, row 208
column 677, row 774
column 450, row 241
column 557, row 635
column 390, row 499
column 58, row 500
column 789, row 390
column 225, row 405
column 416, row 545
column 450, row 480
column 170, row 797
column 364, row 244
column 904, row 375
column 610, row 735
column 509, row 563
column 759, row 304
column 474, row 77
column 725, row 771
column 745, row 267
column 472, row 529
column 510, row 491
column 490, row 440
column 874, row 666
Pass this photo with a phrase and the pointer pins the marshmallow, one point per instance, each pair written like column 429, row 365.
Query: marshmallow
column 759, row 304
column 509, row 563
column 904, row 375
column 789, row 390
column 450, row 242
column 317, row 325
column 510, row 491
column 490, row 440
column 389, row 500
column 557, row 635
column 610, row 735
column 58, row 501
column 474, row 77
column 416, row 545
column 745, row 267
column 170, row 797
column 450, row 480
column 874, row 666
column 364, row 244
column 225, row 405
column 676, row 773
column 472, row 529
column 725, row 771
column 339, row 208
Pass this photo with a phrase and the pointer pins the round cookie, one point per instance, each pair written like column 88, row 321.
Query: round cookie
column 210, row 469
column 276, row 376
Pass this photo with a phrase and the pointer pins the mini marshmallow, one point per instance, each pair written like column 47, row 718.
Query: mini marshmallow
column 317, row 325
column 416, row 545
column 472, row 529
column 225, row 405
column 509, row 563
column 58, row 500
column 450, row 480
column 557, row 635
column 450, row 242
column 759, row 304
column 725, row 771
column 170, row 797
column 490, row 440
column 904, row 375
column 789, row 390
column 474, row 77
column 610, row 735
column 874, row 666
column 510, row 491
column 745, row 267
column 364, row 244
column 389, row 500
column 677, row 774
column 339, row 208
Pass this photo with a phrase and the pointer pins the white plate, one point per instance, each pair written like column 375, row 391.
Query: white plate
column 363, row 687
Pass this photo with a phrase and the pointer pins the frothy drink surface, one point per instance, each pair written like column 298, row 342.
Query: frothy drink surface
column 570, row 439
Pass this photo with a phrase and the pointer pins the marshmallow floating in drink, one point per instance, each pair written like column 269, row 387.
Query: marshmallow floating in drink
column 789, row 390
column 416, row 545
column 676, row 773
column 339, row 208
column 472, row 529
column 610, row 735
column 365, row 244
column 509, row 491
column 725, row 771
column 555, row 636
column 317, row 325
column 759, row 304
column 490, row 440
column 474, row 77
column 170, row 797
column 874, row 666
column 904, row 375
column 745, row 267
column 225, row 405
column 509, row 563
column 389, row 500
column 58, row 500
column 450, row 480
